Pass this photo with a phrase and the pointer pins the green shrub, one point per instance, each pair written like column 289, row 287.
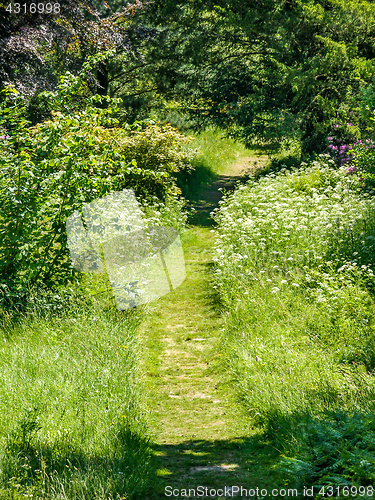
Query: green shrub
column 50, row 170
column 142, row 156
column 337, row 451
column 363, row 163
column 286, row 155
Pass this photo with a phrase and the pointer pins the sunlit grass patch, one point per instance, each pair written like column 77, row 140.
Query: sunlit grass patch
column 71, row 409
column 216, row 153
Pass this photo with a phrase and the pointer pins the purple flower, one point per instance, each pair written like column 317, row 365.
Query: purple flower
column 331, row 146
column 227, row 313
column 351, row 170
column 350, row 124
column 256, row 359
column 243, row 335
column 289, row 369
column 330, row 138
column 336, row 126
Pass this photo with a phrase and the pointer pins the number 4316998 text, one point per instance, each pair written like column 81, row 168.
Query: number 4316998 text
column 33, row 8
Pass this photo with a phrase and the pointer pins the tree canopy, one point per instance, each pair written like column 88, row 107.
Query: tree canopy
column 37, row 47
column 265, row 69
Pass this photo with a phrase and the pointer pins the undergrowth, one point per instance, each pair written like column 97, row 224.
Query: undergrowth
column 294, row 256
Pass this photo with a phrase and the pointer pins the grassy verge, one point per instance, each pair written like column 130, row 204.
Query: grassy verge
column 216, row 153
column 294, row 256
column 70, row 395
column 71, row 408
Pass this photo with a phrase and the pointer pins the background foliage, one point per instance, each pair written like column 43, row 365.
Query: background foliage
column 265, row 70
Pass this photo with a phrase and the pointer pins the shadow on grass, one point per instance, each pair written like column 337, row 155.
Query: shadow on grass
column 208, row 199
column 301, row 450
column 213, row 295
column 241, row 461
column 192, row 182
column 63, row 470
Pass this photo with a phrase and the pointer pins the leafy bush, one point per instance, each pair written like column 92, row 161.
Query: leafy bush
column 340, row 142
column 141, row 156
column 363, row 163
column 50, row 170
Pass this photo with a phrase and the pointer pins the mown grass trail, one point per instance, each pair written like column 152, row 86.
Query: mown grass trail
column 201, row 434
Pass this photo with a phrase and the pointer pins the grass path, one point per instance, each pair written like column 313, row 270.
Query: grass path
column 201, row 434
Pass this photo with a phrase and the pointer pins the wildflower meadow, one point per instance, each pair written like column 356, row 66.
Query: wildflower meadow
column 294, row 268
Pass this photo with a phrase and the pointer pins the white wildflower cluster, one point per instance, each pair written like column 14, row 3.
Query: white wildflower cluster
column 291, row 221
column 293, row 255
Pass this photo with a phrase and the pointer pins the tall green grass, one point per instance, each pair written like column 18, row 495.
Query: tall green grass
column 216, row 152
column 294, row 256
column 71, row 406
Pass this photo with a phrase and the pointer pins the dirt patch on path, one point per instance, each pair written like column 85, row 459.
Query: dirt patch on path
column 246, row 166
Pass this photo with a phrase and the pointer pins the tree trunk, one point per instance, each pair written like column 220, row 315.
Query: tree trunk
column 102, row 87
